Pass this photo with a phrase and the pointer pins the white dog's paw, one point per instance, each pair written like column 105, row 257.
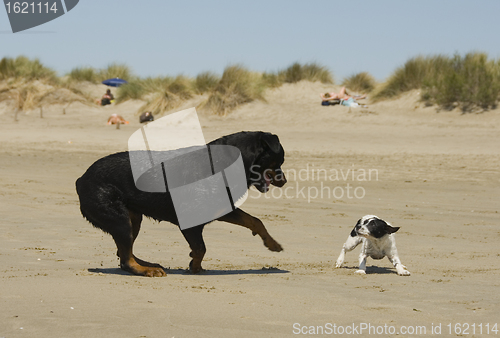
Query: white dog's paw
column 404, row 273
column 339, row 263
column 360, row 272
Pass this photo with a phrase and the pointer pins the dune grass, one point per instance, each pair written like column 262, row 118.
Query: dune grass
column 28, row 84
column 133, row 90
column 205, row 82
column 297, row 72
column 81, row 74
column 26, row 96
column 412, row 75
column 167, row 93
column 160, row 103
column 94, row 75
column 138, row 88
column 116, row 70
column 155, row 84
column 180, row 86
column 361, row 82
column 22, row 68
column 468, row 82
column 314, row 72
column 237, row 86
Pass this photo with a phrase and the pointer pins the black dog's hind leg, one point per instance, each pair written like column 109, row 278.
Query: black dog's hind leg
column 135, row 220
column 124, row 239
column 194, row 236
column 240, row 217
column 106, row 211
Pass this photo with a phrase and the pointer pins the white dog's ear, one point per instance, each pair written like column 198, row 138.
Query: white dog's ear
column 391, row 230
column 353, row 232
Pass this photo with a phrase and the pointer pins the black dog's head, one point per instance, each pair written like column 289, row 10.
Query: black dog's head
column 266, row 168
column 262, row 155
column 372, row 226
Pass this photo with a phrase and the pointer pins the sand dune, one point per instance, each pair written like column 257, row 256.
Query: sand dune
column 437, row 178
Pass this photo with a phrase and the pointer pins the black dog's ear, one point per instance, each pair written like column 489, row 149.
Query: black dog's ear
column 391, row 230
column 272, row 142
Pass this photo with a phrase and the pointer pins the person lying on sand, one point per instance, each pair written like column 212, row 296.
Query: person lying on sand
column 116, row 119
column 341, row 95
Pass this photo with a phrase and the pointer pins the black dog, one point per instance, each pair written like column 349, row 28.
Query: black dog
column 110, row 200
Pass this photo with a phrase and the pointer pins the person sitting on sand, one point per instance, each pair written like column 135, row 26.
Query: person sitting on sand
column 146, row 117
column 116, row 119
column 107, row 98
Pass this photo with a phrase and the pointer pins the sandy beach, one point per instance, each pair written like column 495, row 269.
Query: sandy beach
column 434, row 174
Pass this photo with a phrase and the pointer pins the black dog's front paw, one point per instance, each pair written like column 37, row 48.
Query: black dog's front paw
column 272, row 245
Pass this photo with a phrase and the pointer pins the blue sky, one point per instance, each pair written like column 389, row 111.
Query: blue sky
column 159, row 37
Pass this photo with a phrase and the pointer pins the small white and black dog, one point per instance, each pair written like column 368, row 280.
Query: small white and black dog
column 378, row 241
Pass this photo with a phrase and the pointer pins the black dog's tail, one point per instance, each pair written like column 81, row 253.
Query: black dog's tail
column 102, row 204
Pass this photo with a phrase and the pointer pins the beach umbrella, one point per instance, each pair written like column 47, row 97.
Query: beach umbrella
column 116, row 82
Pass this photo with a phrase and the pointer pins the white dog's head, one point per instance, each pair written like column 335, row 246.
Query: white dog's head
column 372, row 226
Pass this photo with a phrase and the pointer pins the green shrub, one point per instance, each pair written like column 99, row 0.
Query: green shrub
column 361, row 82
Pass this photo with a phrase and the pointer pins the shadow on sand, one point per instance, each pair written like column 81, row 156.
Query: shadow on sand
column 373, row 269
column 263, row 271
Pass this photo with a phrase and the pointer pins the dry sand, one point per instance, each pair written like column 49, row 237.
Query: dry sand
column 438, row 179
